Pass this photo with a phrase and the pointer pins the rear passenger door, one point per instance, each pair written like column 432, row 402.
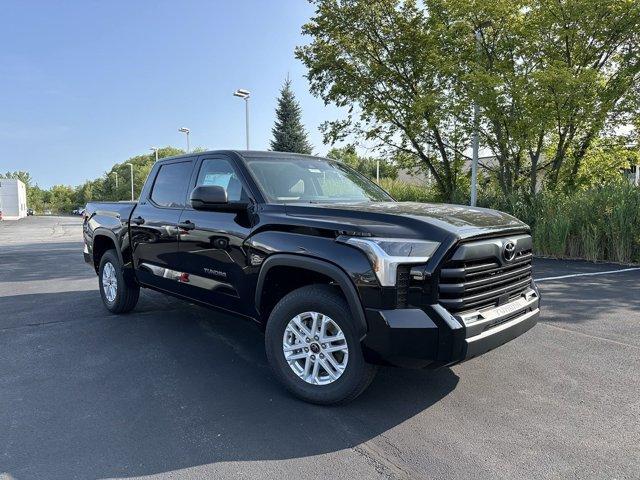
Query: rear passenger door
column 154, row 225
column 212, row 254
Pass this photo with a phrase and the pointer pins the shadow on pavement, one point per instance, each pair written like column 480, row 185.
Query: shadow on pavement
column 576, row 300
column 168, row 388
column 37, row 261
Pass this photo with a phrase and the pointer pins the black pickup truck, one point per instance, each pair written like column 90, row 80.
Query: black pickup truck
column 341, row 277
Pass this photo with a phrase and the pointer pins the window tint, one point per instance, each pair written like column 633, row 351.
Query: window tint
column 220, row 172
column 170, row 187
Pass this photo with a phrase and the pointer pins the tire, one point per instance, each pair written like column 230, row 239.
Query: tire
column 303, row 303
column 124, row 297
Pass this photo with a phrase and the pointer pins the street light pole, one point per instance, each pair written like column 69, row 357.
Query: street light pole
column 186, row 131
column 476, row 125
column 244, row 94
column 155, row 149
column 131, row 166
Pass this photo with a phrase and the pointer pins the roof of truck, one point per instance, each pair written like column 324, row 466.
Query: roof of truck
column 243, row 153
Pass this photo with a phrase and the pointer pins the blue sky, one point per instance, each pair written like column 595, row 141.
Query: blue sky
column 84, row 85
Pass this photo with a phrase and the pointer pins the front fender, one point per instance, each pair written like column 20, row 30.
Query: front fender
column 321, row 266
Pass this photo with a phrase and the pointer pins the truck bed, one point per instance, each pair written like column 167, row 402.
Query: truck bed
column 121, row 210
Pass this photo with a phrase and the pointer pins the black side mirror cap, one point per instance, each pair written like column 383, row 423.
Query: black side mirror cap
column 214, row 197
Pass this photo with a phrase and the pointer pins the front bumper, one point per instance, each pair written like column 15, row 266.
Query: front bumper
column 432, row 337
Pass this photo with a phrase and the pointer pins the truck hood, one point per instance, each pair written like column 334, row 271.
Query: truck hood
column 410, row 218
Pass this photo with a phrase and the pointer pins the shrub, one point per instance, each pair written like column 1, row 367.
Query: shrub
column 598, row 224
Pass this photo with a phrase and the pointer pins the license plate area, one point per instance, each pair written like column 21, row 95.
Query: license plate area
column 506, row 309
column 479, row 321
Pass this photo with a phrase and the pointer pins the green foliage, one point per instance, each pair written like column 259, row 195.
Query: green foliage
column 601, row 164
column 365, row 165
column 382, row 61
column 547, row 75
column 24, row 177
column 105, row 189
column 64, row 198
column 289, row 134
column 598, row 223
column 406, row 192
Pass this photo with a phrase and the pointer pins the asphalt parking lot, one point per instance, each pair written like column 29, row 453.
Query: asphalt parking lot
column 177, row 391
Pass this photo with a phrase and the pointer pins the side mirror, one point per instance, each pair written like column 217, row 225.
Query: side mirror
column 214, row 197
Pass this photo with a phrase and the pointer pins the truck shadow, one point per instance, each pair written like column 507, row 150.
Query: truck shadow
column 168, row 387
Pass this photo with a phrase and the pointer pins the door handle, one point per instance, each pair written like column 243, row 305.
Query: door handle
column 138, row 220
column 187, row 225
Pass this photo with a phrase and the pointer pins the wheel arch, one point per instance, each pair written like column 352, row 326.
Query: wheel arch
column 318, row 267
column 103, row 240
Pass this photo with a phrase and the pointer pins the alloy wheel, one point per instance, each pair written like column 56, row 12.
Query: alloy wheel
column 109, row 281
column 315, row 348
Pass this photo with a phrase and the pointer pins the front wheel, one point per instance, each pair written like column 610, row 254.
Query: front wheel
column 313, row 349
column 118, row 294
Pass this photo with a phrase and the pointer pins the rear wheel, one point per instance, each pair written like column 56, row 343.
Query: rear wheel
column 312, row 346
column 119, row 295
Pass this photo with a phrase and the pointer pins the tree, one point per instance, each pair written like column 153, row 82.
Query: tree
column 547, row 73
column 382, row 62
column 142, row 165
column 602, row 163
column 289, row 134
column 365, row 165
column 24, row 177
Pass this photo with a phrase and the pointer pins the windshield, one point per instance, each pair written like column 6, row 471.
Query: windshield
column 306, row 180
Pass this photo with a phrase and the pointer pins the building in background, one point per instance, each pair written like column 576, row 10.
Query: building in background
column 13, row 199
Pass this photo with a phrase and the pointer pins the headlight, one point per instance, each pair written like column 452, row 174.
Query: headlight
column 387, row 253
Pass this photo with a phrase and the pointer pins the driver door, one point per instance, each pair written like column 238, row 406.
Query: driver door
column 212, row 254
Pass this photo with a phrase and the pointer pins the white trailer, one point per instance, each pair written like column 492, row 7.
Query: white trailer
column 13, row 199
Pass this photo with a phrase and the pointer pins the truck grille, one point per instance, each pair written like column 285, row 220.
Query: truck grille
column 402, row 286
column 468, row 283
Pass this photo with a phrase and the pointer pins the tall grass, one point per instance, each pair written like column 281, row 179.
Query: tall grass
column 601, row 224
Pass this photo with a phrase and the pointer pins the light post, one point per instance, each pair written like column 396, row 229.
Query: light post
column 155, row 149
column 131, row 166
column 476, row 124
column 244, row 94
column 186, row 131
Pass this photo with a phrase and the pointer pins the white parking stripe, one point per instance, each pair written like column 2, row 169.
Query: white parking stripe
column 587, row 274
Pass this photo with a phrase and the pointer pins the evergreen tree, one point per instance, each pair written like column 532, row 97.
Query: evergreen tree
column 289, row 134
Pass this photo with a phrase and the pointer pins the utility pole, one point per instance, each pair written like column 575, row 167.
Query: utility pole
column 476, row 125
column 244, row 94
column 131, row 166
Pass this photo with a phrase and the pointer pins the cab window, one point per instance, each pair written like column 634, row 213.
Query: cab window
column 220, row 172
column 171, row 184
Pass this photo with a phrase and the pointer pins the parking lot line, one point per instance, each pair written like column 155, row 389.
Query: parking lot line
column 590, row 274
